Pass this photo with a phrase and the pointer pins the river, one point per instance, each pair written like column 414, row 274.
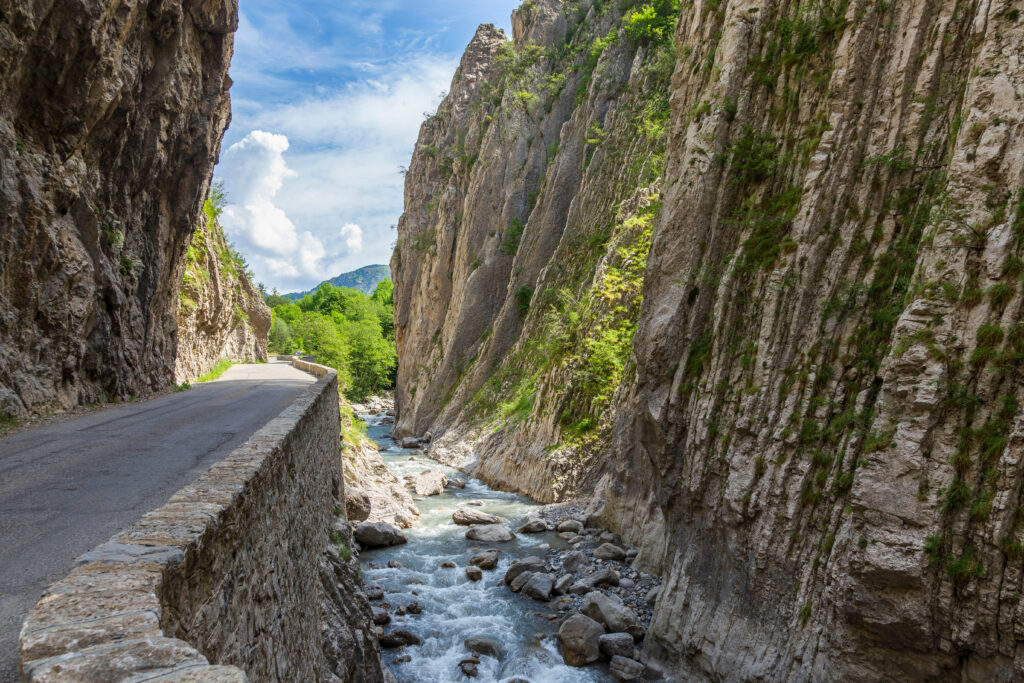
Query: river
column 453, row 607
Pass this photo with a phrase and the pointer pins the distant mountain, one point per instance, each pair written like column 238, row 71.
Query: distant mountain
column 365, row 280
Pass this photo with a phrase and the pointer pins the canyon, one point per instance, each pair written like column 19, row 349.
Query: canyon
column 752, row 290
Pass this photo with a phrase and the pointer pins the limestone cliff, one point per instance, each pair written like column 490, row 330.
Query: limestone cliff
column 111, row 116
column 810, row 424
column 220, row 313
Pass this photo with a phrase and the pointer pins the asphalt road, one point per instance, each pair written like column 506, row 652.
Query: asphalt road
column 69, row 486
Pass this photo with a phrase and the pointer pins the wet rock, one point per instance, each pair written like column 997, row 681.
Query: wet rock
column 469, row 516
column 456, row 483
column 447, row 564
column 485, row 560
column 533, row 526
column 610, row 552
column 575, row 562
column 403, row 659
column 374, row 593
column 610, row 611
column 474, row 573
column 399, row 638
column 469, row 667
column 400, row 611
column 414, row 608
column 490, row 533
column 380, row 616
column 539, row 586
column 429, row 483
column 378, row 535
column 357, row 504
column 625, row 669
column 395, row 564
column 578, row 637
column 484, row 646
column 520, row 581
column 562, row 584
column 575, row 526
column 612, row 644
column 527, row 564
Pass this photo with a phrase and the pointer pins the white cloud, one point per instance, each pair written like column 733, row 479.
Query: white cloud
column 332, row 160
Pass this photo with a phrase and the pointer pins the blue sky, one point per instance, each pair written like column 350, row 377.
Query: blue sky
column 327, row 102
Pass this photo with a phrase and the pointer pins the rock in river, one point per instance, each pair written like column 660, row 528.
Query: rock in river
column 399, row 638
column 429, row 483
column 490, row 533
column 485, row 560
column 484, row 646
column 533, row 526
column 474, row 573
column 527, row 564
column 539, row 586
column 469, row 516
column 578, row 635
column 378, row 535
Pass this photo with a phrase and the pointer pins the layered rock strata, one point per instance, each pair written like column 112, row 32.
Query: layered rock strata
column 813, row 432
column 220, row 313
column 111, row 119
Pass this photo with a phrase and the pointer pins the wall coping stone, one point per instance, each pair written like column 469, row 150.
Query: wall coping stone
column 103, row 621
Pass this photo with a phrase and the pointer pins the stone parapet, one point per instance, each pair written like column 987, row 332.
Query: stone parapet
column 220, row 584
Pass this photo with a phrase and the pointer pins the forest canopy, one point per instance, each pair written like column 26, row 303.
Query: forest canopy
column 346, row 330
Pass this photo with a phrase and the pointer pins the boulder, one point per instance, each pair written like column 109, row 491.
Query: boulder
column 470, row 516
column 469, row 667
column 527, row 564
column 410, row 442
column 399, row 638
column 533, row 526
column 474, row 573
column 612, row 644
column 573, row 525
column 378, row 535
column 480, row 645
column 357, row 504
column 625, row 669
column 575, row 562
column 602, row 578
column 477, row 503
column 539, row 586
column 490, row 533
column 578, row 637
column 610, row 611
column 429, row 483
column 380, row 616
column 485, row 560
column 414, row 608
column 609, row 551
column 447, row 564
column 562, row 584
column 520, row 581
column 456, row 483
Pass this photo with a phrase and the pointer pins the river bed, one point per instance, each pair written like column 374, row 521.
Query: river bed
column 453, row 607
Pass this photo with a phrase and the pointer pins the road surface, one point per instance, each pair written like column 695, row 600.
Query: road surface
column 69, row 486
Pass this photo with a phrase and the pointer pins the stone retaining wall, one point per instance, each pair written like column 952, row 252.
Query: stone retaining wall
column 228, row 571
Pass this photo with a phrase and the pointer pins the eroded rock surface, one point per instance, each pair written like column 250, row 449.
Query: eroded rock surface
column 809, row 420
column 111, row 119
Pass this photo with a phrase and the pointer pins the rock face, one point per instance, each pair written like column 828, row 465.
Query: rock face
column 110, row 123
column 220, row 313
column 787, row 361
column 371, row 489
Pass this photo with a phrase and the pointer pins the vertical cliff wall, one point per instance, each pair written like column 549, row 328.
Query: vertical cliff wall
column 111, row 116
column 220, row 313
column 814, row 430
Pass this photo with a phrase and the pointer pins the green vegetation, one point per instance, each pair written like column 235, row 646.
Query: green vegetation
column 216, row 371
column 510, row 244
column 652, row 22
column 346, row 330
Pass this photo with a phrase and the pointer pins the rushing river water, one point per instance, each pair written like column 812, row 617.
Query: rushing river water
column 455, row 608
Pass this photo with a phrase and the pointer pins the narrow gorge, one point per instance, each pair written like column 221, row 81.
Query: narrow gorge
column 749, row 284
